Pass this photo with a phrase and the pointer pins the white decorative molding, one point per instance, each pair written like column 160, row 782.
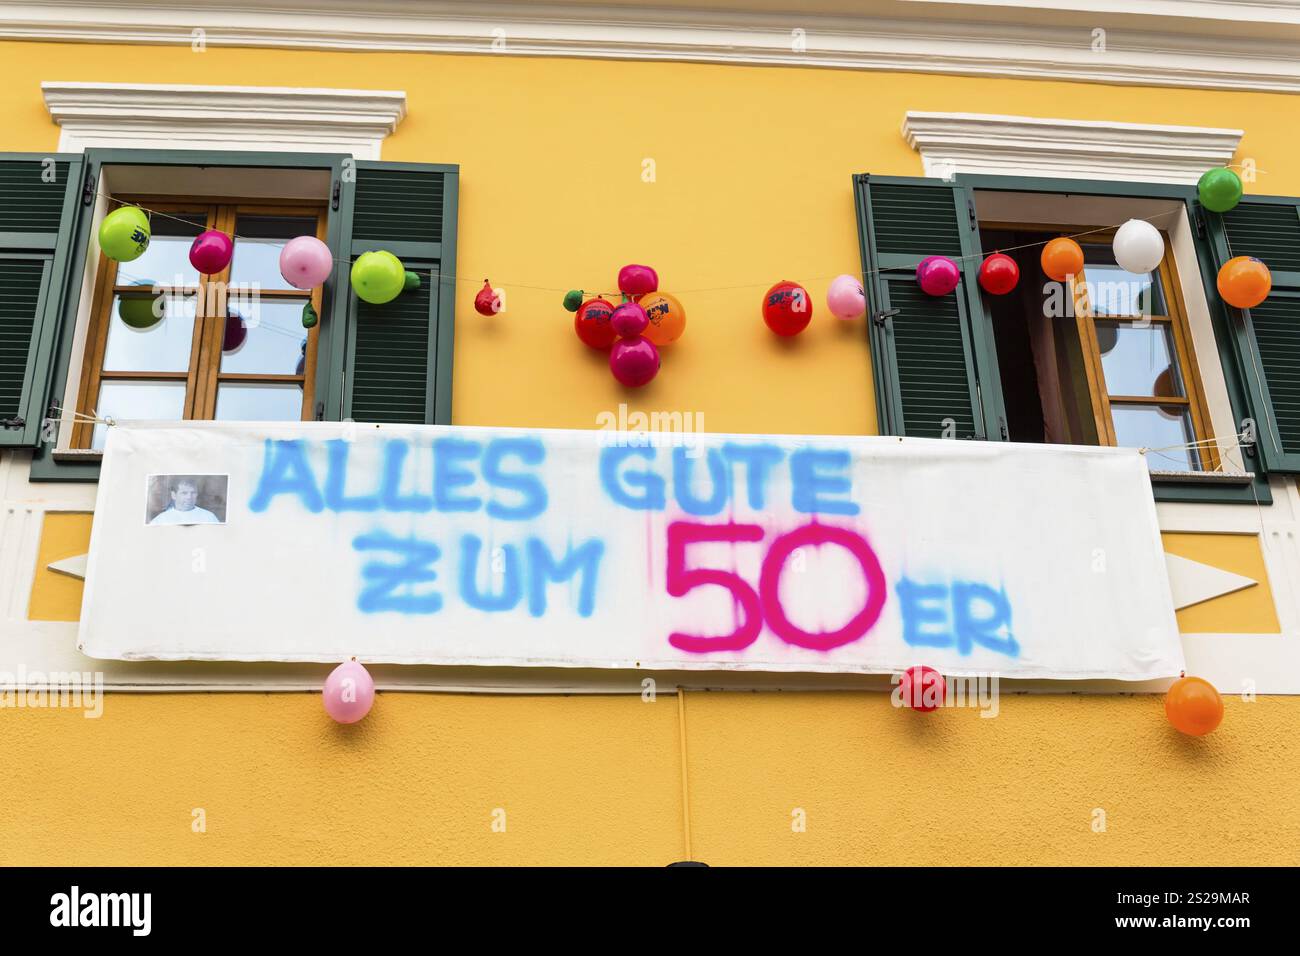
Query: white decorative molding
column 1248, row 45
column 1081, row 149
column 270, row 118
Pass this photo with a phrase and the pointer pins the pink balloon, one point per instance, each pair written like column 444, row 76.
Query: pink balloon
column 306, row 262
column 211, row 251
column 937, row 275
column 634, row 361
column 845, row 298
column 349, row 692
column 629, row 319
column 637, row 280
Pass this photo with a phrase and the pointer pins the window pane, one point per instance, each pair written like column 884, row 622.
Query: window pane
column 257, row 250
column 1157, row 426
column 167, row 260
column 1136, row 359
column 274, row 340
column 139, row 342
column 1112, row 291
column 135, row 401
column 259, row 402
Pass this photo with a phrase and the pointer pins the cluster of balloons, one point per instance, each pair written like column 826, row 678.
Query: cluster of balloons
column 787, row 308
column 634, row 330
column 349, row 692
column 1193, row 706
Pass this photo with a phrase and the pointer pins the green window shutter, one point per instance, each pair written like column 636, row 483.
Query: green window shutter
column 40, row 199
column 934, row 360
column 1266, row 339
column 393, row 362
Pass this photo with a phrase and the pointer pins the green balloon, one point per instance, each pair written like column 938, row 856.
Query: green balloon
column 1219, row 189
column 412, row 281
column 141, row 311
column 573, row 300
column 378, row 277
column 124, row 234
column 309, row 316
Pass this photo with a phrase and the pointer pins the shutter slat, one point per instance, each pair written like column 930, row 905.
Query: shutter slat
column 1277, row 337
column 20, row 294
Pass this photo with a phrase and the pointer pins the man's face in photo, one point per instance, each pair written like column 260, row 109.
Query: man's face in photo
column 185, row 496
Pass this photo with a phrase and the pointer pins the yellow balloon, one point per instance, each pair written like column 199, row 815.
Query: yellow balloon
column 667, row 317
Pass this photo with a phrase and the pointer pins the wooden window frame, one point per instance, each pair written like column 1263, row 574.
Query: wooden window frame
column 204, row 374
column 1085, row 321
column 1103, row 399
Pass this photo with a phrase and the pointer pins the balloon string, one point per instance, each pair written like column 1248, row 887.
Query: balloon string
column 433, row 273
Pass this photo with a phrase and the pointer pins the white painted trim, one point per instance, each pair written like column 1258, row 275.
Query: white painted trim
column 1190, row 582
column 951, row 143
column 1149, row 42
column 283, row 119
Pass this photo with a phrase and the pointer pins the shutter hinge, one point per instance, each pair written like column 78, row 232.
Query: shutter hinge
column 1247, row 444
column 88, row 187
column 879, row 317
column 1002, row 427
column 1200, row 221
column 334, row 196
column 13, row 422
column 320, row 411
column 970, row 208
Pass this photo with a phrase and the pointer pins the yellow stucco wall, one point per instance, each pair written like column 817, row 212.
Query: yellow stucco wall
column 752, row 185
column 597, row 780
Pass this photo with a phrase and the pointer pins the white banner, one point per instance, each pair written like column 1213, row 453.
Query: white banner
column 318, row 541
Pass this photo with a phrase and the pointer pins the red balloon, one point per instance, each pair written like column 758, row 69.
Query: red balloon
column 486, row 302
column 999, row 274
column 923, row 688
column 593, row 326
column 634, row 361
column 787, row 308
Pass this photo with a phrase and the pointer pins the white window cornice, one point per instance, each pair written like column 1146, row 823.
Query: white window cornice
column 131, row 115
column 1220, row 44
column 1064, row 148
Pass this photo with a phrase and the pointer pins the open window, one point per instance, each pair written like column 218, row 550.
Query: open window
column 1110, row 358
column 73, row 329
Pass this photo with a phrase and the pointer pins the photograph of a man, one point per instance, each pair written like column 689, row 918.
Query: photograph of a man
column 186, row 499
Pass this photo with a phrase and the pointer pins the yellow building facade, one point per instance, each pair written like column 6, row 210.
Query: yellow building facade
column 726, row 176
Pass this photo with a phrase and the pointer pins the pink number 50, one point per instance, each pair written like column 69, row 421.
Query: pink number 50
column 766, row 602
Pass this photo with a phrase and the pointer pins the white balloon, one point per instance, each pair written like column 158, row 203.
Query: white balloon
column 1138, row 246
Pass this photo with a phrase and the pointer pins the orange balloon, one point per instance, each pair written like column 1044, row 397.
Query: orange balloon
column 1244, row 282
column 667, row 317
column 1193, row 706
column 1062, row 258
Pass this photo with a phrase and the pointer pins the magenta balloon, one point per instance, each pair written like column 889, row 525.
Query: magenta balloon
column 349, row 692
column 637, row 280
column 306, row 262
column 235, row 332
column 937, row 275
column 211, row 251
column 634, row 361
column 629, row 319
